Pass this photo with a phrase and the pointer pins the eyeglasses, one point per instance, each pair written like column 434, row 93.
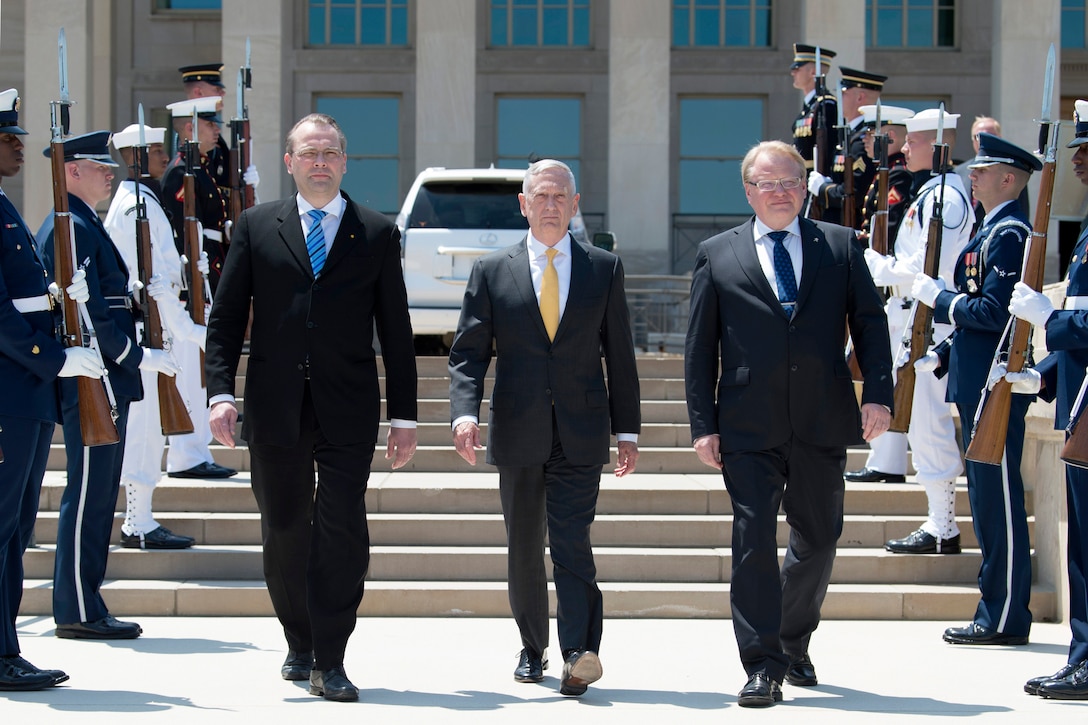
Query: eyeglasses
column 310, row 156
column 769, row 185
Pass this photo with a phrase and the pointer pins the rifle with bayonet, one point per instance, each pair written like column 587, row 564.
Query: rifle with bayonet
column 241, row 194
column 173, row 415
column 97, row 413
column 878, row 223
column 849, row 208
column 193, row 238
column 822, row 160
column 920, row 334
column 992, row 416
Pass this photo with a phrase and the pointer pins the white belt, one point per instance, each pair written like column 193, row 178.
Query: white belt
column 41, row 303
column 213, row 235
column 1075, row 303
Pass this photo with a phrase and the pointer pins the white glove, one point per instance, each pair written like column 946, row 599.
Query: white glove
column 160, row 290
column 1026, row 382
column 174, row 316
column 81, row 361
column 927, row 363
column 78, row 289
column 903, row 358
column 202, row 264
column 251, row 177
column 816, row 181
column 925, row 289
column 159, row 361
column 1029, row 305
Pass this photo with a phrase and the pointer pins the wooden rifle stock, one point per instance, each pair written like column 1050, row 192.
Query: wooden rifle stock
column 822, row 146
column 1075, row 451
column 878, row 224
column 849, row 208
column 992, row 422
column 194, row 243
column 96, row 423
column 241, row 193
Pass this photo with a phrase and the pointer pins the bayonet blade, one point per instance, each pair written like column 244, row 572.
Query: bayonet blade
column 247, row 52
column 1048, row 85
column 878, row 116
column 819, row 65
column 62, row 50
column 140, row 121
column 940, row 123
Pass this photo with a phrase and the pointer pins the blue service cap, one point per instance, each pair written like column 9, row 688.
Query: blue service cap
column 996, row 150
column 93, row 146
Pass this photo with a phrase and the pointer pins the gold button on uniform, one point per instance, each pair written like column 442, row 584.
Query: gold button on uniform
column 35, row 350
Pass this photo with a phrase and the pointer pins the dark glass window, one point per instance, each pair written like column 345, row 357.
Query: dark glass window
column 372, row 127
column 718, row 23
column 1073, row 23
column 557, row 23
column 715, row 134
column 539, row 128
column 910, row 23
column 357, row 22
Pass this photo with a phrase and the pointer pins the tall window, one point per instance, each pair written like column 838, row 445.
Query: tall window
column 540, row 128
column 562, row 23
column 188, row 4
column 358, row 22
column 1073, row 24
column 372, row 127
column 718, row 23
column 715, row 133
column 910, row 23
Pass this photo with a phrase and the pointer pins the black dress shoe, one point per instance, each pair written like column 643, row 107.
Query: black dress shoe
column 1073, row 686
column 531, row 666
column 580, row 668
column 297, row 666
column 761, row 691
column 333, row 684
column 871, row 475
column 158, row 538
column 801, row 672
column 58, row 676
column 923, row 542
column 204, row 470
column 106, row 628
column 15, row 678
column 975, row 633
column 1032, row 686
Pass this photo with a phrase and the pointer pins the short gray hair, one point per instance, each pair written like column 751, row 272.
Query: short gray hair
column 539, row 167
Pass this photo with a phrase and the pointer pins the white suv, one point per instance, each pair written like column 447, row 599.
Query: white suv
column 449, row 218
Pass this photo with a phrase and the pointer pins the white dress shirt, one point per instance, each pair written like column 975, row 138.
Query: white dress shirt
column 765, row 251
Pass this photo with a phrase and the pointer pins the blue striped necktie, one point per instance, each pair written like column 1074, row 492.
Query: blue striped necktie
column 783, row 272
column 315, row 240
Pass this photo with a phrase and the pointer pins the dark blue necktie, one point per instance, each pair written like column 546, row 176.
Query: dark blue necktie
column 315, row 240
column 783, row 272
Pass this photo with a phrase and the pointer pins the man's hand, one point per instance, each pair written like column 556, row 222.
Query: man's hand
column 627, row 455
column 400, row 445
column 875, row 419
column 466, row 439
column 1028, row 305
column 222, row 419
column 708, row 448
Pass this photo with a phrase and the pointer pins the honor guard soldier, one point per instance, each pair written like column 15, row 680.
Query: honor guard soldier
column 900, row 180
column 803, row 71
column 94, row 473
column 858, row 89
column 1062, row 373
column 211, row 206
column 984, row 276
column 31, row 360
column 932, row 430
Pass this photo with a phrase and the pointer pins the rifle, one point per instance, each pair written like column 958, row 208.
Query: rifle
column 97, row 414
column 878, row 223
column 194, row 240
column 173, row 416
column 241, row 193
column 1075, row 451
column 821, row 151
column 849, row 208
column 920, row 338
column 992, row 416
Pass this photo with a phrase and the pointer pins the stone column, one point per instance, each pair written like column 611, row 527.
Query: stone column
column 445, row 83
column 265, row 24
column 638, row 133
column 839, row 24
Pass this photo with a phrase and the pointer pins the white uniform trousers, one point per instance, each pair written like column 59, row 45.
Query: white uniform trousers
column 888, row 451
column 187, row 451
column 141, row 467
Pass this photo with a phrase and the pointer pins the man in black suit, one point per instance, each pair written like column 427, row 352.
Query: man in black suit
column 551, row 307
column 321, row 272
column 772, row 298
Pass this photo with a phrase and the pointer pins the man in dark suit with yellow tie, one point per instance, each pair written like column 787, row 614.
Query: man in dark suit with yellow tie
column 321, row 272
column 551, row 308
column 770, row 302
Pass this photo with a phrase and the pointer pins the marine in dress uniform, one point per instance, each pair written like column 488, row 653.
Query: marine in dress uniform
column 932, row 430
column 1062, row 373
column 205, row 80
column 31, row 359
column 985, row 273
column 859, row 88
column 141, row 468
column 803, row 71
column 94, row 474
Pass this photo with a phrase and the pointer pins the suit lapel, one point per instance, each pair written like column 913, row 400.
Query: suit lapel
column 347, row 236
column 813, row 244
column 744, row 247
column 581, row 280
column 291, row 234
column 518, row 264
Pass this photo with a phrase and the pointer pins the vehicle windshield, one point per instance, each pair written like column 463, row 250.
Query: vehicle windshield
column 468, row 205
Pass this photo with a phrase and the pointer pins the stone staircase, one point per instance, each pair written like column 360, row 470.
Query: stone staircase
column 661, row 537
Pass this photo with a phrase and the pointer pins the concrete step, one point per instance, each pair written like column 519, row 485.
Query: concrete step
column 649, row 366
column 201, row 597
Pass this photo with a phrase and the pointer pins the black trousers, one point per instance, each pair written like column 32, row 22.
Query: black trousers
column 561, row 499
column 316, row 542
column 776, row 610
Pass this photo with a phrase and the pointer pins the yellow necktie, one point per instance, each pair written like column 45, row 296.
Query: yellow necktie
column 549, row 296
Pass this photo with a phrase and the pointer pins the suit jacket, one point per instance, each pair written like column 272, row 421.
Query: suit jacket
column 328, row 321
column 534, row 376
column 783, row 376
column 30, row 354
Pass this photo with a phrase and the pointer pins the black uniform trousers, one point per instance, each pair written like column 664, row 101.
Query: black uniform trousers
column 776, row 610
column 560, row 498
column 26, row 453
column 1076, row 482
column 316, row 544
